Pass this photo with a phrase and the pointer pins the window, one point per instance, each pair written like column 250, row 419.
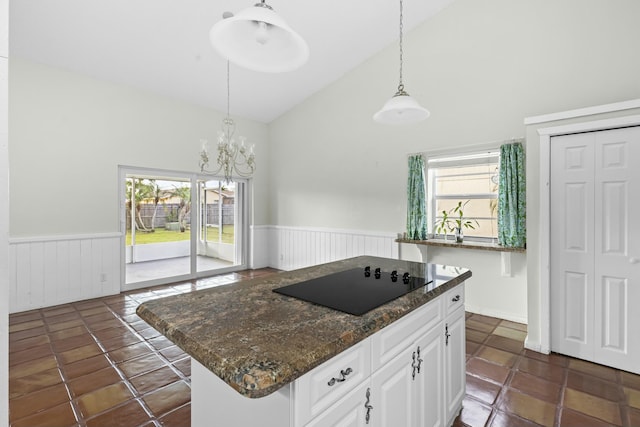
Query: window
column 470, row 178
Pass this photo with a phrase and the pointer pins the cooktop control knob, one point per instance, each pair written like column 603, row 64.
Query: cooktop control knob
column 394, row 276
column 377, row 273
column 367, row 271
column 405, row 278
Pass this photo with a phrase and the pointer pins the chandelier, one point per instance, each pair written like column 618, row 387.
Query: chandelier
column 401, row 108
column 233, row 159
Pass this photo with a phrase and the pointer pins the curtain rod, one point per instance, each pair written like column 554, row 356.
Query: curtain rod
column 465, row 148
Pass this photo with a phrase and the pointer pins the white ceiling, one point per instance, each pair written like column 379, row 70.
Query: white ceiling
column 163, row 45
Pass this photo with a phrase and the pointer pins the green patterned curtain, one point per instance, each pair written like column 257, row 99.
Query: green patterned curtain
column 416, row 206
column 512, row 215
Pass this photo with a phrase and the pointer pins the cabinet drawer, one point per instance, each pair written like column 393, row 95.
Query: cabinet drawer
column 454, row 299
column 319, row 388
column 392, row 340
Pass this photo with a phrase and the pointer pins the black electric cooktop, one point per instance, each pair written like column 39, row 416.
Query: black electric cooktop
column 355, row 291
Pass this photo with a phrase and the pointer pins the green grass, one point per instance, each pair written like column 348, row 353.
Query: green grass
column 161, row 235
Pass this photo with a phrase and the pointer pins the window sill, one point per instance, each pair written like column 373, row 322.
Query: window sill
column 464, row 245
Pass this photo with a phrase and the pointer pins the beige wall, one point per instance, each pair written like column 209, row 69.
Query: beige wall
column 480, row 67
column 69, row 133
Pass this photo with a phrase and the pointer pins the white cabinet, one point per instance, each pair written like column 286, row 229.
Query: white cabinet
column 321, row 387
column 349, row 411
column 392, row 393
column 454, row 362
column 418, row 373
column 409, row 374
column 429, row 385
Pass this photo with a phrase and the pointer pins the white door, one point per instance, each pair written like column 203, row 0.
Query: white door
column 595, row 253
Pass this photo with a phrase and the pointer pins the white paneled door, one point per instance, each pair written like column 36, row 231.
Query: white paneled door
column 595, row 246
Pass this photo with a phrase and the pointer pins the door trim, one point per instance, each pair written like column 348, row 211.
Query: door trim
column 546, row 134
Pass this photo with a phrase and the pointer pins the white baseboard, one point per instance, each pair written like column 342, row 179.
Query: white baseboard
column 496, row 314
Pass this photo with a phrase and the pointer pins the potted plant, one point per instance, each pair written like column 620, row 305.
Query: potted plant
column 460, row 222
column 454, row 220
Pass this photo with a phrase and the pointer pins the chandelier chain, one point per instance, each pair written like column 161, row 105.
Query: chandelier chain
column 233, row 158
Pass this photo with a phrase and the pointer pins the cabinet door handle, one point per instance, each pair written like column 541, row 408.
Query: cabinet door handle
column 456, row 298
column 343, row 377
column 446, row 334
column 419, row 360
column 368, row 406
column 413, row 366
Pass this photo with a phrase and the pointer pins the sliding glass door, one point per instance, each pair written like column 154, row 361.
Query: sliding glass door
column 221, row 224
column 180, row 226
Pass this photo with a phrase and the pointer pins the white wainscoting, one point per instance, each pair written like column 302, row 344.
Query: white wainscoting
column 55, row 270
column 47, row 271
column 259, row 253
column 290, row 248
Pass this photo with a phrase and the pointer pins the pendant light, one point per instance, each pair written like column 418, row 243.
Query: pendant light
column 260, row 40
column 401, row 108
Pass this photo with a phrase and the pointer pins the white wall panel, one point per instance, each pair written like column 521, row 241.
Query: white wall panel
column 614, row 307
column 575, row 310
column 297, row 247
column 614, row 218
column 50, row 271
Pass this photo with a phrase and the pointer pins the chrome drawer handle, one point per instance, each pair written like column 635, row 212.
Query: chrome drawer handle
column 456, row 298
column 343, row 377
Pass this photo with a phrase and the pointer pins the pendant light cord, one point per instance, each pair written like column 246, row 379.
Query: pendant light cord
column 228, row 90
column 401, row 84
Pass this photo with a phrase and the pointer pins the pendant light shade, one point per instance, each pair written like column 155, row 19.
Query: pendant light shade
column 258, row 39
column 402, row 109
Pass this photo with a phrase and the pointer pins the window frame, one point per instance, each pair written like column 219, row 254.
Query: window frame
column 466, row 156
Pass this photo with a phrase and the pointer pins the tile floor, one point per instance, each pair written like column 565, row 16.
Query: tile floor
column 508, row 385
column 95, row 363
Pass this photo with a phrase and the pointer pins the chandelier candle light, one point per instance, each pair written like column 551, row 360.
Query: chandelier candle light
column 233, row 158
column 401, row 108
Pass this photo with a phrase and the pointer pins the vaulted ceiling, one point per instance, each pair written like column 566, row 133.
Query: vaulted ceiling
column 163, row 45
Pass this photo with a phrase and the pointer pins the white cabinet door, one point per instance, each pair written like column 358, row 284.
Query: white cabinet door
column 595, row 248
column 350, row 411
column 454, row 364
column 429, row 380
column 392, row 395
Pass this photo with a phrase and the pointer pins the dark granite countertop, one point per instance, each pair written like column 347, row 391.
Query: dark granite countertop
column 257, row 340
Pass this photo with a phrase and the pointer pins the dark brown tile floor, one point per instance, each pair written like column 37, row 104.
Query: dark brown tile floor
column 96, row 363
column 508, row 385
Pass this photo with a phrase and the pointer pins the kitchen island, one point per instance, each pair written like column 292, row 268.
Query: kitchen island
column 261, row 358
